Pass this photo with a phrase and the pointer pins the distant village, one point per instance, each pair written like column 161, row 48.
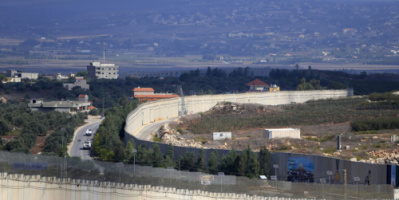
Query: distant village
column 97, row 70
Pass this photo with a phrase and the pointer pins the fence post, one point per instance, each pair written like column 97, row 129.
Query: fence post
column 345, row 181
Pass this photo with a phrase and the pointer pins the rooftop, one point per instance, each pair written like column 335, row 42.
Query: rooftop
column 138, row 89
column 257, row 82
column 156, row 96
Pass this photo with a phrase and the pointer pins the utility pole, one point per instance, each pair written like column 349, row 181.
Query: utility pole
column 104, row 52
column 182, row 105
column 103, row 108
column 345, row 182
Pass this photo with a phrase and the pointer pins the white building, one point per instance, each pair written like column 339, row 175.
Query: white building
column 222, row 136
column 282, row 133
column 23, row 75
column 102, row 71
column 79, row 81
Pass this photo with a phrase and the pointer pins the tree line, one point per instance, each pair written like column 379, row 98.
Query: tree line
column 247, row 163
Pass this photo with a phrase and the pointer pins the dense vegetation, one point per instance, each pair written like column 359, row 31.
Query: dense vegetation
column 108, row 141
column 16, row 121
column 246, row 163
column 378, row 101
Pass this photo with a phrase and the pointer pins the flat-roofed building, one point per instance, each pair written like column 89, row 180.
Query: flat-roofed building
column 79, row 82
column 22, row 75
column 221, row 136
column 102, row 71
column 82, row 105
column 282, row 133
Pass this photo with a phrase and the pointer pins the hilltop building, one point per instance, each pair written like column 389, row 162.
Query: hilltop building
column 73, row 107
column 147, row 94
column 102, row 71
column 23, row 75
column 79, row 82
column 260, row 86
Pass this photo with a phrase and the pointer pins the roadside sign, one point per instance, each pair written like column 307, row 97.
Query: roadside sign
column 329, row 173
column 357, row 179
column 274, row 178
column 206, row 179
column 29, row 166
column 323, row 180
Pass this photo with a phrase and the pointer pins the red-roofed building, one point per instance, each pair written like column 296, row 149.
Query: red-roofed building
column 147, row 94
column 83, row 98
column 258, row 85
column 91, row 107
column 143, row 91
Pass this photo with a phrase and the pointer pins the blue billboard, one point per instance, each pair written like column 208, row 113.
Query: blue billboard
column 300, row 169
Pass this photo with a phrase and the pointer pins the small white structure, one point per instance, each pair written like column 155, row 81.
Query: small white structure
column 221, row 135
column 282, row 133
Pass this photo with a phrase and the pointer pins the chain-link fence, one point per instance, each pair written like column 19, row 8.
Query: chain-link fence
column 74, row 168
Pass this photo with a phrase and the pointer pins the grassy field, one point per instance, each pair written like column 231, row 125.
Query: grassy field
column 311, row 113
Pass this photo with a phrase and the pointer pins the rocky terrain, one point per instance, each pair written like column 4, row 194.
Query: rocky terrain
column 315, row 139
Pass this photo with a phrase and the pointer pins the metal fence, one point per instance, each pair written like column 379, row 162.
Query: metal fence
column 73, row 168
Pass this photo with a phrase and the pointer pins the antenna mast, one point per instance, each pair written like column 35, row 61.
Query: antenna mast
column 182, row 102
column 104, row 52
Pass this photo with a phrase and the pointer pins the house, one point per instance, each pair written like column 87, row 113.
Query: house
column 79, row 82
column 102, row 71
column 258, row 86
column 12, row 80
column 73, row 107
column 22, row 75
column 274, row 88
column 147, row 94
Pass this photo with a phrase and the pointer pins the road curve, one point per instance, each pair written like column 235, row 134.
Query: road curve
column 152, row 128
column 75, row 149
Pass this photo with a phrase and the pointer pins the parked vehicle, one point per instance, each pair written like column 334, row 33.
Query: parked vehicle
column 87, row 145
column 88, row 132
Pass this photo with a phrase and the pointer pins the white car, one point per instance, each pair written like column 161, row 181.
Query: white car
column 87, row 145
column 88, row 132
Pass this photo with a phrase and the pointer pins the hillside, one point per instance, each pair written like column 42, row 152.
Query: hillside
column 320, row 123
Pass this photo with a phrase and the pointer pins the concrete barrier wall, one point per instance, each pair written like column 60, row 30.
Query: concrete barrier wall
column 324, row 164
column 26, row 187
column 169, row 108
column 164, row 109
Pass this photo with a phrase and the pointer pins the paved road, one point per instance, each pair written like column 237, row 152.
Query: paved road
column 76, row 148
column 145, row 133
